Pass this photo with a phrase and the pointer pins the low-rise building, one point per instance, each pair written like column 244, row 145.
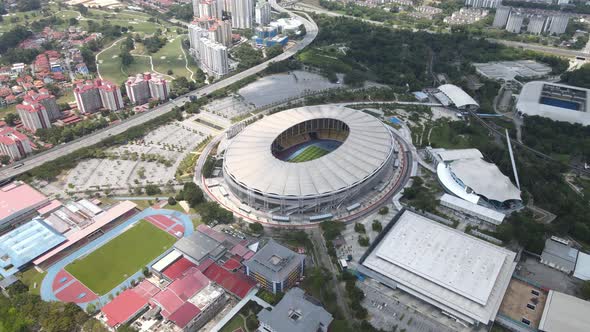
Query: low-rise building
column 275, row 267
column 296, row 312
column 559, row 255
column 565, row 313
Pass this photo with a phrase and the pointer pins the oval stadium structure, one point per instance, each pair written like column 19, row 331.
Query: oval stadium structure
column 308, row 159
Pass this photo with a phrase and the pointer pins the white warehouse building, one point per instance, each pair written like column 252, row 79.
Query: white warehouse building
column 463, row 276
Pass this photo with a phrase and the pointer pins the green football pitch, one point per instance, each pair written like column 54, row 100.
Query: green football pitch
column 310, row 153
column 109, row 265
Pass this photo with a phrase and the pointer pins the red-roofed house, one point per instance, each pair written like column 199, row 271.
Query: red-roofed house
column 178, row 268
column 14, row 144
column 123, row 308
column 235, row 283
column 191, row 301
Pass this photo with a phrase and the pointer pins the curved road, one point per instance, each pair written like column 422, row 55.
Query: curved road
column 138, row 119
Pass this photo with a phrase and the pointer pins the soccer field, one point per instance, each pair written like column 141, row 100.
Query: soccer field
column 310, row 153
column 111, row 264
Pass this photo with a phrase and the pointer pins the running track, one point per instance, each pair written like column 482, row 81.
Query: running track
column 59, row 285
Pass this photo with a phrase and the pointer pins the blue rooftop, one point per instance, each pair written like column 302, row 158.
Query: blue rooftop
column 25, row 243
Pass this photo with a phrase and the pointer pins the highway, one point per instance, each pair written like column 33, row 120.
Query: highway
column 138, row 119
column 544, row 49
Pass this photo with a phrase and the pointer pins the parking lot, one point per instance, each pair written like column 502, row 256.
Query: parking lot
column 531, row 269
column 150, row 160
column 392, row 310
column 229, row 107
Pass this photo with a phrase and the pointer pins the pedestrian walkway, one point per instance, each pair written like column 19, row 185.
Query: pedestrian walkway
column 58, row 285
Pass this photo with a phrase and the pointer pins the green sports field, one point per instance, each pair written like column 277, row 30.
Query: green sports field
column 310, row 153
column 111, row 264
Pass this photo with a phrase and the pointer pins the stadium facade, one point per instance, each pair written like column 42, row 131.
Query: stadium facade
column 358, row 154
column 463, row 276
column 465, row 174
column 558, row 102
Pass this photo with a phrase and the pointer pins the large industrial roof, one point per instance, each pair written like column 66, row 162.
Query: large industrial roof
column 565, row 313
column 17, row 197
column 459, row 97
column 460, row 273
column 494, row 215
column 249, row 159
column 582, row 270
column 529, row 103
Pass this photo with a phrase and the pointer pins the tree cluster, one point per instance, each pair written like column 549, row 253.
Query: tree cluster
column 247, row 56
column 211, row 211
column 56, row 135
column 12, row 38
column 155, row 43
column 192, row 194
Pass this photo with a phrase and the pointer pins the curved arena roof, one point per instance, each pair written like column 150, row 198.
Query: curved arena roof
column 459, row 97
column 250, row 162
column 485, row 179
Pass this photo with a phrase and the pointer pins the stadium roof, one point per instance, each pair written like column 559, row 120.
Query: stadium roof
column 249, row 159
column 530, row 95
column 459, row 97
column 25, row 243
column 274, row 261
column 17, row 197
column 456, row 272
column 565, row 313
column 582, row 270
column 310, row 317
column 455, row 154
column 123, row 307
column 485, row 179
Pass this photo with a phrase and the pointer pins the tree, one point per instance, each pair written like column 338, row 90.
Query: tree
column 384, row 210
column 256, row 227
column 11, row 119
column 28, row 5
column 4, row 159
column 82, row 9
column 211, row 211
column 585, row 290
column 192, row 194
column 152, row 189
column 355, row 78
column 274, row 51
column 359, row 228
column 126, row 58
column 377, row 227
column 363, row 241
column 171, row 201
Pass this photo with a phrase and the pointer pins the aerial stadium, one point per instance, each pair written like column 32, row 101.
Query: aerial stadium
column 558, row 102
column 309, row 160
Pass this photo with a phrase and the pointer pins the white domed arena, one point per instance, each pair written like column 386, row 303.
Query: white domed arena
column 309, row 160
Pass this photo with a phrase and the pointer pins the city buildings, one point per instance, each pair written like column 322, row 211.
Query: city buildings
column 208, row 8
column 557, row 24
column 241, row 13
column 33, row 116
column 45, row 98
column 466, row 16
column 94, row 95
column 295, row 313
column 536, row 24
column 483, row 3
column 463, row 276
column 262, row 12
column 213, row 58
column 143, row 87
column 275, row 268
column 14, row 144
column 509, row 70
column 501, row 17
column 514, row 23
column 555, row 101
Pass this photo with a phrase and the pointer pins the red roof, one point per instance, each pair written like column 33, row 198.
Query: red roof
column 180, row 291
column 235, row 283
column 146, row 289
column 123, row 307
column 232, row 264
column 186, row 313
column 178, row 268
column 239, row 250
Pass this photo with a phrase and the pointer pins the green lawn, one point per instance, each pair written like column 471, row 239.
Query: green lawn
column 171, row 57
column 310, row 153
column 31, row 277
column 123, row 256
column 235, row 323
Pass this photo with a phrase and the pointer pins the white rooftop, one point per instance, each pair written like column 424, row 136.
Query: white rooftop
column 448, row 268
column 485, row 179
column 450, row 155
column 477, row 209
column 582, row 270
column 564, row 312
column 459, row 97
